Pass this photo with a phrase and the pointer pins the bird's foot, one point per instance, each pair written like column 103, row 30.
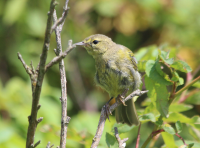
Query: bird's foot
column 107, row 109
column 108, row 112
column 121, row 97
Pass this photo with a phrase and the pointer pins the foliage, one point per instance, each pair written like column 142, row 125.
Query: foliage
column 135, row 24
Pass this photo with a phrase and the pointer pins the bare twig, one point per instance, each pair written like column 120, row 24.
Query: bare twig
column 121, row 143
column 37, row 143
column 187, row 86
column 58, row 58
column 103, row 116
column 162, row 130
column 26, row 67
column 181, row 138
column 37, row 82
column 61, row 20
column 49, row 146
column 58, row 25
column 138, row 137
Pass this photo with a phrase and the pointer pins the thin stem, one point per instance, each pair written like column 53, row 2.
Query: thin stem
column 121, row 143
column 36, row 87
column 138, row 137
column 187, row 86
column 172, row 95
column 181, row 138
column 63, row 99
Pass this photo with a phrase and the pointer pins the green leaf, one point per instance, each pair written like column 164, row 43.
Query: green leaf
column 169, row 129
column 162, row 104
column 148, row 117
column 179, row 126
column 194, row 144
column 169, row 140
column 190, row 145
column 149, row 83
column 110, row 140
column 165, row 57
column 181, row 66
column 173, row 117
column 141, row 66
column 193, row 99
column 158, row 92
column 175, row 76
column 159, row 122
column 180, row 81
column 151, row 108
column 195, row 133
column 147, row 53
column 122, row 128
column 155, row 74
column 197, row 84
column 174, row 107
column 160, row 71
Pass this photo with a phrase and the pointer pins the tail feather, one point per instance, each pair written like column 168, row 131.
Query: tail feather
column 127, row 114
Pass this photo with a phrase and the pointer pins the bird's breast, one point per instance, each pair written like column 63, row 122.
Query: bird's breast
column 113, row 78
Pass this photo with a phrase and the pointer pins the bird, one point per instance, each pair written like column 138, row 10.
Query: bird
column 116, row 71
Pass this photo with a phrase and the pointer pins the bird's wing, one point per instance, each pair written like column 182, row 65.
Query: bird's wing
column 129, row 54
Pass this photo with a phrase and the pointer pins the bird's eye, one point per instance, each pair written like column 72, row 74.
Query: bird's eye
column 95, row 41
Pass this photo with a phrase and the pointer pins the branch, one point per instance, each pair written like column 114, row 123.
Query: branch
column 58, row 25
column 26, row 67
column 49, row 146
column 181, row 138
column 121, row 143
column 187, row 86
column 37, row 81
column 58, row 58
column 61, row 20
column 103, row 116
column 155, row 132
column 138, row 137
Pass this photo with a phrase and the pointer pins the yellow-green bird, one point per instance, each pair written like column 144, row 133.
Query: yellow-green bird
column 116, row 71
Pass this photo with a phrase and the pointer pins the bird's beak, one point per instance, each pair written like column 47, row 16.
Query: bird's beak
column 81, row 43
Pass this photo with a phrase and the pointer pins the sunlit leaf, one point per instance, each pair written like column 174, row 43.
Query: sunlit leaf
column 197, row 84
column 165, row 57
column 158, row 93
column 155, row 75
column 168, row 129
column 169, row 140
column 148, row 117
column 151, row 88
column 162, row 100
column 182, row 66
column 141, row 66
column 194, row 99
column 122, row 128
column 174, row 107
column 173, row 117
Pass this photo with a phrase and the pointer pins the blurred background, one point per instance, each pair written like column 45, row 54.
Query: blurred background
column 132, row 23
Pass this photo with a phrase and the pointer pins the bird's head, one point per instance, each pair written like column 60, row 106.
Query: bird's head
column 96, row 44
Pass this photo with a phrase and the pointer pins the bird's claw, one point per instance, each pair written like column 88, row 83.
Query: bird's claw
column 121, row 99
column 107, row 111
